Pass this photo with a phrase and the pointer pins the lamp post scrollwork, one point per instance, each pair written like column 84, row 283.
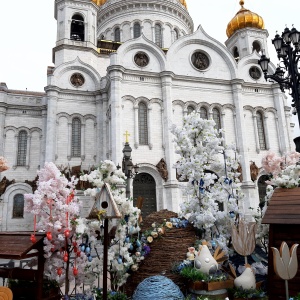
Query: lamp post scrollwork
column 287, row 73
column 128, row 168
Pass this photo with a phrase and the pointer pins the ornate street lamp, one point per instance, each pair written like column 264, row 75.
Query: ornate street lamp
column 128, row 168
column 287, row 72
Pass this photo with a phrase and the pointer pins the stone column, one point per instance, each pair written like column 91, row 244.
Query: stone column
column 149, row 128
column 283, row 134
column 136, row 127
column 251, row 194
column 51, row 126
column 69, row 146
column 172, row 194
column 28, row 147
column 256, row 133
column 99, row 134
column 105, row 124
column 116, row 115
column 43, row 139
column 2, row 125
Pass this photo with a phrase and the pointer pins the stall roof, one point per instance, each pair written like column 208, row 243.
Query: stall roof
column 284, row 207
column 17, row 245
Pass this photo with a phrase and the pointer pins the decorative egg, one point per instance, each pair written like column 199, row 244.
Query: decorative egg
column 87, row 249
column 59, row 271
column 127, row 240
column 82, row 248
column 90, row 258
column 75, row 271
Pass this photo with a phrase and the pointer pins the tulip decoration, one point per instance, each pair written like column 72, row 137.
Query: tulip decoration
column 285, row 263
column 243, row 238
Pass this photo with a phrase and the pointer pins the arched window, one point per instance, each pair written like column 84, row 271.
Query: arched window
column 117, row 35
column 158, row 35
column 256, row 46
column 143, row 124
column 18, row 206
column 236, row 54
column 76, row 138
column 22, row 148
column 217, row 118
column 261, row 131
column 136, row 30
column 203, row 113
column 190, row 109
column 77, row 28
column 176, row 34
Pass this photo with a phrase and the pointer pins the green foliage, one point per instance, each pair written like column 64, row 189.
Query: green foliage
column 296, row 297
column 190, row 273
column 247, row 294
column 111, row 295
column 189, row 297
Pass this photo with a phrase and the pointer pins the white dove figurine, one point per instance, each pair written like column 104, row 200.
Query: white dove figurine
column 246, row 280
column 204, row 261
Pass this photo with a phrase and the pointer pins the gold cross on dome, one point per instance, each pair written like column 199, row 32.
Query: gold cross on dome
column 126, row 136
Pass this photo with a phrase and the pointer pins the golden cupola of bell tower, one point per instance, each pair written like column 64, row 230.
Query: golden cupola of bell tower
column 244, row 18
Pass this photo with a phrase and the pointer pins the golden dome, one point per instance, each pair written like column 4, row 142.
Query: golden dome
column 244, row 18
column 99, row 2
column 183, row 2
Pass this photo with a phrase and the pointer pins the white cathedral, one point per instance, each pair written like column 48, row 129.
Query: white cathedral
column 139, row 66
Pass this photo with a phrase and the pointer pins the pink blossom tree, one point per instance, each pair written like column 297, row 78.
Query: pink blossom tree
column 56, row 212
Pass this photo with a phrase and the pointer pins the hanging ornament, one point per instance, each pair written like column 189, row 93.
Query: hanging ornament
column 90, row 258
column 75, row 271
column 82, row 248
column 59, row 271
column 49, row 236
column 127, row 240
column 87, row 249
column 66, row 257
column 138, row 243
column 120, row 259
column 32, row 237
column 226, row 180
column 67, row 233
column 232, row 214
column 201, row 190
column 201, row 182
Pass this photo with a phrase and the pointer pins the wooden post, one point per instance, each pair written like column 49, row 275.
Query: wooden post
column 105, row 249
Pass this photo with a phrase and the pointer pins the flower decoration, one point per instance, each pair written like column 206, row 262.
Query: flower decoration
column 285, row 261
column 243, row 238
column 3, row 164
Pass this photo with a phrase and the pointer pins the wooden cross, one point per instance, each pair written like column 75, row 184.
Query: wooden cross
column 126, row 136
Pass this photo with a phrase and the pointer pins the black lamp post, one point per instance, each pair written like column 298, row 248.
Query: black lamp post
column 128, row 168
column 287, row 73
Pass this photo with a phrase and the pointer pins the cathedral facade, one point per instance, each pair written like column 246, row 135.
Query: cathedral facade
column 139, row 66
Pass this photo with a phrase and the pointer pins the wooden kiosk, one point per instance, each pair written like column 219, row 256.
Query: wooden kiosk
column 17, row 246
column 283, row 215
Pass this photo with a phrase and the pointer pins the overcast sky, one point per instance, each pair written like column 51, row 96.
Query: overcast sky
column 28, row 32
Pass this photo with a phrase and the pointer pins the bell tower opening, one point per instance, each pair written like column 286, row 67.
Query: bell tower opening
column 77, row 28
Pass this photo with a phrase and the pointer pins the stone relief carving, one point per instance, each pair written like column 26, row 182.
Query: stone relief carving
column 162, row 169
column 77, row 79
column 141, row 59
column 200, row 60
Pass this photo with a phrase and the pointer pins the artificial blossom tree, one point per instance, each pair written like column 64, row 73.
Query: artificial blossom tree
column 213, row 193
